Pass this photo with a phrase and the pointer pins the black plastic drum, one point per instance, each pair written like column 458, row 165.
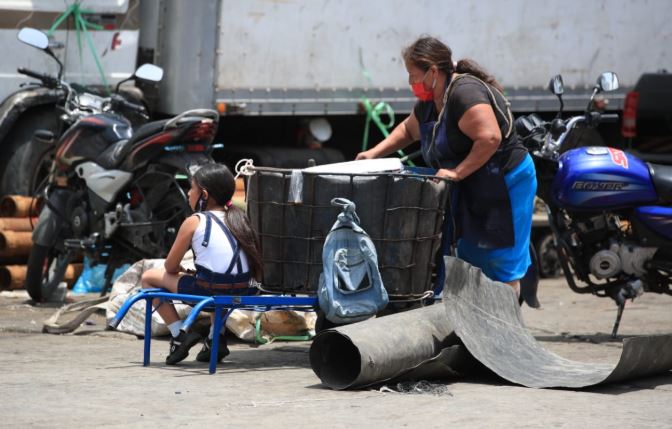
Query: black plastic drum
column 402, row 213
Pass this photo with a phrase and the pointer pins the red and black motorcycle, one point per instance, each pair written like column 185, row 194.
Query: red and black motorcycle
column 113, row 193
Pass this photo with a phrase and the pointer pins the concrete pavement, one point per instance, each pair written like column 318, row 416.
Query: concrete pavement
column 95, row 378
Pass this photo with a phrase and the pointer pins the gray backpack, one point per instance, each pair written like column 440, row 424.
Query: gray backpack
column 350, row 288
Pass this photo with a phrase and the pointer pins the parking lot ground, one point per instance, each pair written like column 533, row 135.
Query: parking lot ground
column 95, row 378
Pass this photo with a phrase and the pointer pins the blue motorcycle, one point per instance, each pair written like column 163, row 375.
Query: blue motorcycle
column 610, row 212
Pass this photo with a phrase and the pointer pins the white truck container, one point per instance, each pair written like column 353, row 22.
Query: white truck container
column 269, row 66
column 261, row 57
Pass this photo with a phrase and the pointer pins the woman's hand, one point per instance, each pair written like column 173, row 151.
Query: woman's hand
column 449, row 174
column 365, row 155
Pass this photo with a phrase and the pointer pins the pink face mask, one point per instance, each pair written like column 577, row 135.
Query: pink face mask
column 420, row 92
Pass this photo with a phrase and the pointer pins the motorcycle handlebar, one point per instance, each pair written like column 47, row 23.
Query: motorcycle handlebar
column 48, row 81
column 121, row 102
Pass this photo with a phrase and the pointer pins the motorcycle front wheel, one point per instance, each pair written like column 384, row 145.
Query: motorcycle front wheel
column 45, row 270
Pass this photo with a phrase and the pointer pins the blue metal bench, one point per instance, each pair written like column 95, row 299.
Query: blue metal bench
column 219, row 303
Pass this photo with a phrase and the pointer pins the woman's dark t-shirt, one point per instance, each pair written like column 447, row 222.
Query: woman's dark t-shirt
column 466, row 93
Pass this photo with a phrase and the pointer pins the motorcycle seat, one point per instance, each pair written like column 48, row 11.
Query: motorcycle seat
column 662, row 181
column 147, row 130
column 111, row 157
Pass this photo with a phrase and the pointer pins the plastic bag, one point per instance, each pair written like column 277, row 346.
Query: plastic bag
column 92, row 278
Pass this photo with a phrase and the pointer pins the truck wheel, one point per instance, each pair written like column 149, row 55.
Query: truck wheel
column 44, row 271
column 27, row 163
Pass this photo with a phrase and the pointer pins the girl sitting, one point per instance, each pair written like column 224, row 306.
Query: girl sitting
column 226, row 255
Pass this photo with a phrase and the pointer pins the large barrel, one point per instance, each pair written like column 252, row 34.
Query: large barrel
column 292, row 213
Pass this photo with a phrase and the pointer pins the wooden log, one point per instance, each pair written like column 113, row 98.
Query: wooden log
column 14, row 243
column 17, row 223
column 19, row 206
column 14, row 276
column 75, row 258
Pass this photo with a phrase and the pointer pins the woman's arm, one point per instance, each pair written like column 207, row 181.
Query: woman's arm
column 181, row 245
column 480, row 125
column 403, row 134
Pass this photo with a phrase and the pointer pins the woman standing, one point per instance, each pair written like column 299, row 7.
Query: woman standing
column 465, row 127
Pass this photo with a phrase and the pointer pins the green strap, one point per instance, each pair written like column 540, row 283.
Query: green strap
column 82, row 26
column 261, row 340
column 374, row 113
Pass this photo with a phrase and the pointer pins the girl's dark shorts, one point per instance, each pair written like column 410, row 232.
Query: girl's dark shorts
column 189, row 285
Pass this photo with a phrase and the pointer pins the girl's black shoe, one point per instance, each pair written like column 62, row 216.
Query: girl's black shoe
column 180, row 345
column 204, row 354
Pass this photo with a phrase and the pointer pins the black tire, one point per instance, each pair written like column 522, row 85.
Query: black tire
column 25, row 163
column 44, row 271
column 549, row 262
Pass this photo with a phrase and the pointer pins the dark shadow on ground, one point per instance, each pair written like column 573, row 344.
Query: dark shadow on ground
column 596, row 338
column 253, row 359
column 654, row 382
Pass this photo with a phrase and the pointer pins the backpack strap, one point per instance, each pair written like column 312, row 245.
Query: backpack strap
column 348, row 216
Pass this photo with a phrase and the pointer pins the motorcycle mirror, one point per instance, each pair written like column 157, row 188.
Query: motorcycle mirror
column 40, row 40
column 608, row 81
column 149, row 72
column 555, row 85
column 33, row 37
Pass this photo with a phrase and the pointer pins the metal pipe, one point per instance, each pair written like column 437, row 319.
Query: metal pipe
column 19, row 206
column 17, row 224
column 14, row 243
column 14, row 276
